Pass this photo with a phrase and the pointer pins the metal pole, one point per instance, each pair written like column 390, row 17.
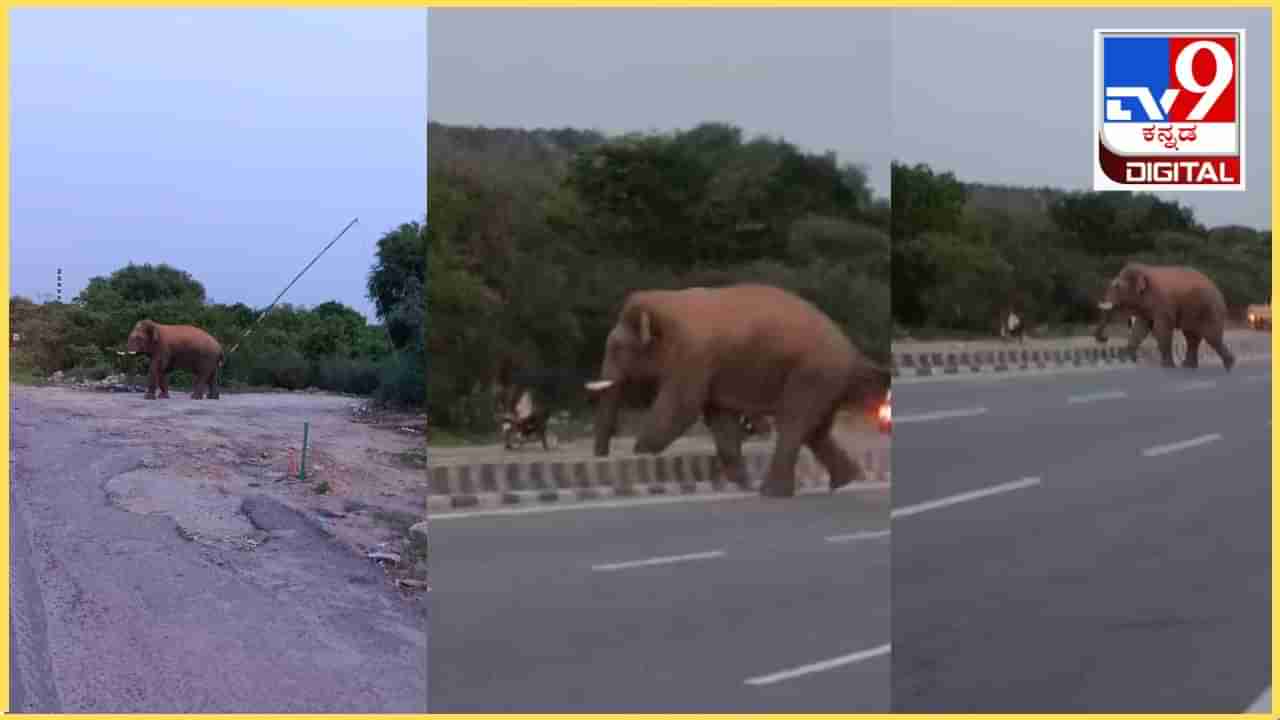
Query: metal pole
column 302, row 472
column 291, row 282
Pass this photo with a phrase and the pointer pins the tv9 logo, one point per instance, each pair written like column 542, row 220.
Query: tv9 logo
column 1168, row 110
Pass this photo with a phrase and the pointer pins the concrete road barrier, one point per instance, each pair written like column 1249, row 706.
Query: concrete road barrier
column 966, row 359
column 535, row 480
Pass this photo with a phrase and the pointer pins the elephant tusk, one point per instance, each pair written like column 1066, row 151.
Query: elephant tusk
column 598, row 385
column 1105, row 305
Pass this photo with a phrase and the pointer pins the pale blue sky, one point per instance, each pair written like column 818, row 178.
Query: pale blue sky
column 815, row 77
column 233, row 144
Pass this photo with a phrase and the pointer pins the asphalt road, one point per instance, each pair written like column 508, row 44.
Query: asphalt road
column 742, row 605
column 1083, row 543
column 114, row 612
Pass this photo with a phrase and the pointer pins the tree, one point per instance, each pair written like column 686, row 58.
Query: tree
column 142, row 284
column 401, row 266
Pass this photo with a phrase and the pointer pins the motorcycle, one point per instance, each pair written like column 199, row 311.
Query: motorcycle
column 516, row 432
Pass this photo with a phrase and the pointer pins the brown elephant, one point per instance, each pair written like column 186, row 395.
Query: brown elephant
column 1162, row 299
column 725, row 353
column 178, row 347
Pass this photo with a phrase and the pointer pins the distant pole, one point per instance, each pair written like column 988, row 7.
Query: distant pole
column 59, row 285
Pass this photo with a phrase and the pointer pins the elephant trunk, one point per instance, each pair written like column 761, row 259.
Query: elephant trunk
column 1106, row 309
column 609, row 399
column 607, row 393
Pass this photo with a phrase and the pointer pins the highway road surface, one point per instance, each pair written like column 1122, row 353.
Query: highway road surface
column 1083, row 543
column 682, row 605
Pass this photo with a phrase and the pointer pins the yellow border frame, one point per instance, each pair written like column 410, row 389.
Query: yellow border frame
column 4, row 278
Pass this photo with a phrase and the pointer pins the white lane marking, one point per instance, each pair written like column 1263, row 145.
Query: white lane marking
column 820, row 666
column 642, row 502
column 1095, row 397
column 1195, row 385
column 1175, row 447
column 1262, row 705
column 964, row 497
column 666, row 560
column 864, row 535
column 939, row 415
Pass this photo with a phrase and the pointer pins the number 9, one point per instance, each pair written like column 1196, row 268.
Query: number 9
column 1222, row 72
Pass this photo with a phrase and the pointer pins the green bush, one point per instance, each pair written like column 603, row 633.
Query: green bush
column 403, row 380
column 963, row 253
column 536, row 237
column 329, row 346
column 346, row 375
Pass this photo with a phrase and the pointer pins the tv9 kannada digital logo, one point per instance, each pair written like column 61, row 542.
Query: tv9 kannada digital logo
column 1168, row 110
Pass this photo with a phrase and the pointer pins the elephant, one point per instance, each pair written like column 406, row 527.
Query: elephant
column 745, row 350
column 178, row 347
column 1163, row 299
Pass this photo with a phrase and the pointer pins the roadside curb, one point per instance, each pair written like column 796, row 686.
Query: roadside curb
column 929, row 364
column 495, row 484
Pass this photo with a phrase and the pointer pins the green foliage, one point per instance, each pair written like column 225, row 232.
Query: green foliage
column 963, row 254
column 403, row 380
column 330, row 346
column 535, row 237
column 395, row 283
column 145, row 283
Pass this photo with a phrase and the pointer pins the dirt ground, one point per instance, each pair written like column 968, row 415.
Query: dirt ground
column 365, row 474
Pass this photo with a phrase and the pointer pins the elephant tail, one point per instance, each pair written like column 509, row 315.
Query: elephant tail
column 868, row 384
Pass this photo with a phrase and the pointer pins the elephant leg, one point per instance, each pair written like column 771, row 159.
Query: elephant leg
column 728, row 435
column 808, row 404
column 1163, row 330
column 164, row 386
column 1219, row 346
column 1192, row 360
column 781, row 479
column 842, row 468
column 1141, row 328
column 153, row 380
column 213, row 383
column 674, row 411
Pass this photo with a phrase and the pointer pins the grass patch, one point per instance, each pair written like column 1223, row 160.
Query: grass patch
column 26, row 375
column 397, row 520
column 413, row 458
column 448, row 438
column 414, row 557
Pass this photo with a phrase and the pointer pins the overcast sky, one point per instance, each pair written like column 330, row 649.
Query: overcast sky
column 815, row 77
column 233, row 144
column 1005, row 96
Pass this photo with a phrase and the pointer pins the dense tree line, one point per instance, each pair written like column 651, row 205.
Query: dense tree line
column 964, row 253
column 329, row 346
column 535, row 237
